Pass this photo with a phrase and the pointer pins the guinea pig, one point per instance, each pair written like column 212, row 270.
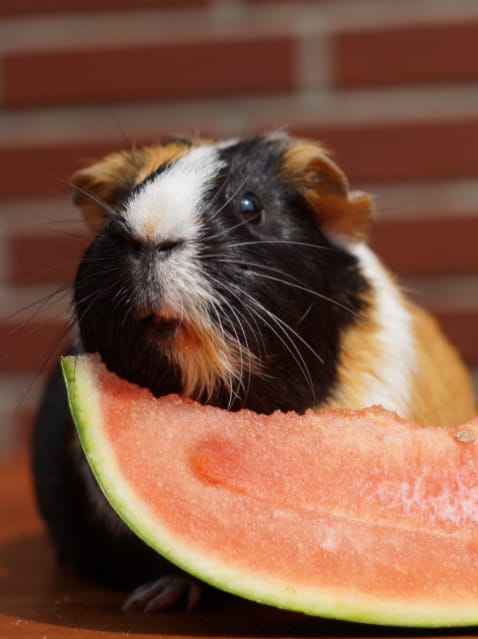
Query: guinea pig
column 236, row 273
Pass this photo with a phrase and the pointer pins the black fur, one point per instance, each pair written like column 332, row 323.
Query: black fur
column 94, row 544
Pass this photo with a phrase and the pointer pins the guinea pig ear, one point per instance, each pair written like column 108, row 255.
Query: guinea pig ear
column 98, row 188
column 339, row 210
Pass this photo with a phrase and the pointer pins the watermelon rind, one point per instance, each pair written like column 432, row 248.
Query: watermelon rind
column 80, row 373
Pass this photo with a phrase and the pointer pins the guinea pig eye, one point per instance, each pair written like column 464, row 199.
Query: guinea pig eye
column 251, row 208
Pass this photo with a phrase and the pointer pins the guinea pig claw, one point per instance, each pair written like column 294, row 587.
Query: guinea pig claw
column 165, row 593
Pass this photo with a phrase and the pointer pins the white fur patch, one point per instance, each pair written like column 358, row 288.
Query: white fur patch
column 391, row 383
column 168, row 207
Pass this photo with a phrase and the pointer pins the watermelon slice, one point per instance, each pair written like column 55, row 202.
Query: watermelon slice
column 355, row 515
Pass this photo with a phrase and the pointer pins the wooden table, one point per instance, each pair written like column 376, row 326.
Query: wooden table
column 37, row 601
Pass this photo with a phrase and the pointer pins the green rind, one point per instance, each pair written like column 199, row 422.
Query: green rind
column 84, row 401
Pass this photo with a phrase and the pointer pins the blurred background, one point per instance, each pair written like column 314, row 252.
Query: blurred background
column 391, row 86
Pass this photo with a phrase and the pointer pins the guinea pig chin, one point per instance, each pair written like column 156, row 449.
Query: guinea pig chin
column 205, row 357
column 183, row 322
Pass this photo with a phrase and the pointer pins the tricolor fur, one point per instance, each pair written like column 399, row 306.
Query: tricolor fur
column 237, row 273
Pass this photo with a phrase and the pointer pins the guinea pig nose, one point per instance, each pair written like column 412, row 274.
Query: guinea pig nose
column 166, row 247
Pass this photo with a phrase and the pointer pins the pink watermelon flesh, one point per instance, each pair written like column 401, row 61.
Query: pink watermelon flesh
column 350, row 514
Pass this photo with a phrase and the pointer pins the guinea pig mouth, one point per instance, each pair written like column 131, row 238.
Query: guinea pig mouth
column 159, row 326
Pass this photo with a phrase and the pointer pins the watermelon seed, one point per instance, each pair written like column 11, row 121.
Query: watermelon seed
column 465, row 435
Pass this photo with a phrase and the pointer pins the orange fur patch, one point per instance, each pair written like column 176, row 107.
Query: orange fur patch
column 339, row 210
column 360, row 357
column 206, row 357
column 443, row 392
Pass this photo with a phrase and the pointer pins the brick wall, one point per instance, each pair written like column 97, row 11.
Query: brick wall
column 389, row 86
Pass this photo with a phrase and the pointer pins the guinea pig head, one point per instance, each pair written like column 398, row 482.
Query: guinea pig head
column 215, row 269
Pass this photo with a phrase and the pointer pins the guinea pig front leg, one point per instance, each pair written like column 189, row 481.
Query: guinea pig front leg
column 172, row 587
column 170, row 590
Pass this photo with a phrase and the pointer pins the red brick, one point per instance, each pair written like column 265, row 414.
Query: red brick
column 281, row 1
column 28, row 7
column 30, row 345
column 31, row 170
column 23, row 421
column 39, row 258
column 411, row 53
column 460, row 326
column 442, row 245
column 228, row 66
column 396, row 151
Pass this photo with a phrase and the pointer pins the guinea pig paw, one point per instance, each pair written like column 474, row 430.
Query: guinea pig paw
column 165, row 593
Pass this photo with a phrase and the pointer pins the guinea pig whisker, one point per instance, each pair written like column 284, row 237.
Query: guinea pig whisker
column 100, row 291
column 304, row 315
column 286, row 242
column 107, row 208
column 228, row 230
column 28, row 328
column 41, row 303
column 52, row 348
column 220, row 285
column 291, row 281
column 123, row 296
column 232, row 288
column 51, row 269
column 266, row 316
column 87, row 302
column 230, row 384
column 237, row 341
column 51, row 226
column 53, row 223
column 224, row 177
column 88, row 259
column 309, row 291
column 255, row 265
column 119, row 296
column 245, row 352
column 295, row 334
column 255, row 330
column 91, row 299
column 128, row 141
column 240, row 377
column 243, row 134
column 293, row 349
column 287, row 329
column 231, row 197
